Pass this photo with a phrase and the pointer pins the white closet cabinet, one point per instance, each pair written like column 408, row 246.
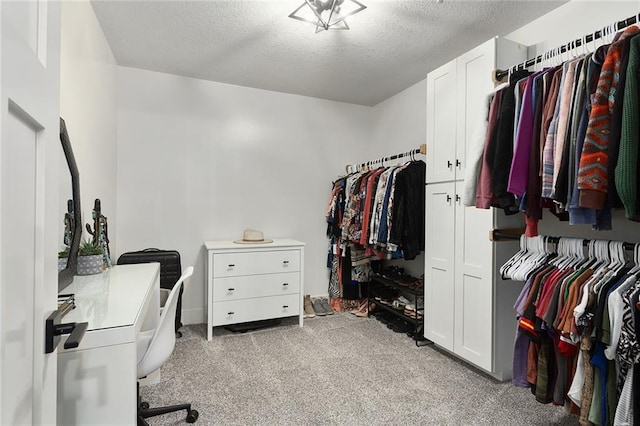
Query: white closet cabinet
column 456, row 93
column 468, row 307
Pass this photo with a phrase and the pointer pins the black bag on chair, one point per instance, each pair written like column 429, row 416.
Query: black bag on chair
column 170, row 271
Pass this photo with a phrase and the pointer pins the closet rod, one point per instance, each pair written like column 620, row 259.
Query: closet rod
column 498, row 235
column 350, row 168
column 500, row 74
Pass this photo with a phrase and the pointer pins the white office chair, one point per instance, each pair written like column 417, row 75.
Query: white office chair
column 154, row 349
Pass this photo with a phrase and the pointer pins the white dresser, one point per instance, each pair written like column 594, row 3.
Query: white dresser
column 251, row 282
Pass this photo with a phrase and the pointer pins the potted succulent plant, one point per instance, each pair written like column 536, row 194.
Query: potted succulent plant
column 90, row 258
column 63, row 257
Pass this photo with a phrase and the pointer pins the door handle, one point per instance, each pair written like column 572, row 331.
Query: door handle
column 449, row 164
column 54, row 329
column 448, row 198
column 457, row 198
column 458, row 163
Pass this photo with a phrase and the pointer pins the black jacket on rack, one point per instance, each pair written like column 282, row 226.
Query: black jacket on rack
column 501, row 147
column 407, row 228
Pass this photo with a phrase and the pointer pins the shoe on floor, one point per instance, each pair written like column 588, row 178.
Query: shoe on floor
column 308, row 307
column 325, row 305
column 318, row 308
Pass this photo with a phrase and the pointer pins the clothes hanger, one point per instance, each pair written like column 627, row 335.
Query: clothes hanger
column 515, row 272
column 561, row 248
column 504, row 268
column 577, row 253
column 612, row 33
column 636, row 260
column 517, row 261
column 537, row 256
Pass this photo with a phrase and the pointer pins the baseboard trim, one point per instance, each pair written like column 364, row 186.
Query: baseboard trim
column 193, row 316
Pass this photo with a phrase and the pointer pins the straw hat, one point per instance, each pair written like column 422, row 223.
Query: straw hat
column 252, row 236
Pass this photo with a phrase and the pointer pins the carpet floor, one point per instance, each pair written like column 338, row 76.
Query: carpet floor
column 336, row 370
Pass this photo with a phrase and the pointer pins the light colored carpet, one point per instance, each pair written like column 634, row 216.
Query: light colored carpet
column 336, row 370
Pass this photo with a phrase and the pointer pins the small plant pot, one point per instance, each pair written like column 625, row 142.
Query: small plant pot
column 89, row 265
column 62, row 263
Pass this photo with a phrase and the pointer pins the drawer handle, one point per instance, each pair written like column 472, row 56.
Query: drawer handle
column 231, row 289
column 231, row 265
column 230, row 313
column 285, row 284
column 285, row 306
column 286, row 262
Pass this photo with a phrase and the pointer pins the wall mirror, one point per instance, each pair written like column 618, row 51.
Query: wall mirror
column 72, row 220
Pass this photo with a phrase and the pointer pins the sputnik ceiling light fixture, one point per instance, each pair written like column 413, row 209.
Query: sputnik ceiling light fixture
column 327, row 14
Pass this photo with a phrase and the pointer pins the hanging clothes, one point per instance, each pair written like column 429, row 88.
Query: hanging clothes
column 564, row 138
column 373, row 214
column 579, row 313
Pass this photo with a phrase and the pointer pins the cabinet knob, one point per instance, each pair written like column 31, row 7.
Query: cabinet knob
column 285, row 306
column 285, row 284
column 449, row 164
column 230, row 313
column 231, row 289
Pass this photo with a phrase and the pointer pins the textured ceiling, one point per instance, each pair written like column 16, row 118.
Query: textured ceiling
column 391, row 44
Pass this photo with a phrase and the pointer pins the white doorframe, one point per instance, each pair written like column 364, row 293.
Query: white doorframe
column 30, row 98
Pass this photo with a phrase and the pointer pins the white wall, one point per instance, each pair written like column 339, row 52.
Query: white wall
column 199, row 160
column 88, row 106
column 399, row 124
column 571, row 21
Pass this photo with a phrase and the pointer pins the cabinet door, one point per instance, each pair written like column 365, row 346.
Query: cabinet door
column 473, row 285
column 439, row 264
column 474, row 85
column 441, row 123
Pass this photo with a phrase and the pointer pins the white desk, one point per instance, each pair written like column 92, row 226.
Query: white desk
column 97, row 380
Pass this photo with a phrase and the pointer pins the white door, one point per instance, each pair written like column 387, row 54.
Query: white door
column 473, row 285
column 439, row 264
column 29, row 126
column 474, row 85
column 441, row 123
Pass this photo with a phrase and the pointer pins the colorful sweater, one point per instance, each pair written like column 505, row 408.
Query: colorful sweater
column 592, row 175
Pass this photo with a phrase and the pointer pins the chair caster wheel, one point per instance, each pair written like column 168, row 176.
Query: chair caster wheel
column 192, row 416
column 144, row 405
column 178, row 334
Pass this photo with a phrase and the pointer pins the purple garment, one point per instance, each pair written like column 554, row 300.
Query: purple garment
column 519, row 305
column 520, row 359
column 519, row 175
column 521, row 344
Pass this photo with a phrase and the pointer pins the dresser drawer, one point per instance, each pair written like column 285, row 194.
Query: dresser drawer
column 236, row 311
column 244, row 287
column 253, row 263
